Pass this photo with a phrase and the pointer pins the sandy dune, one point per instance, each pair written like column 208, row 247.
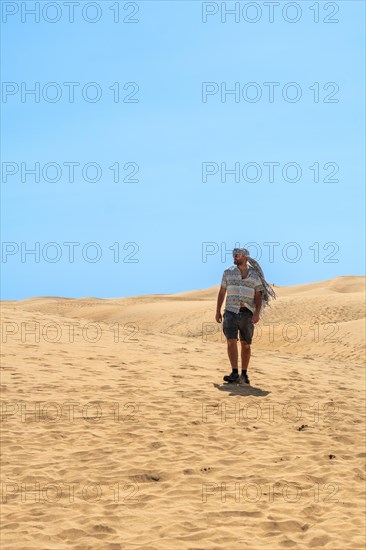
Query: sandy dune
column 119, row 434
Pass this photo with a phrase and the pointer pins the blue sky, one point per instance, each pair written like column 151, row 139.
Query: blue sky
column 182, row 228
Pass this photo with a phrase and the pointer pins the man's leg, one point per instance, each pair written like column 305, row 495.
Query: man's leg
column 246, row 334
column 245, row 355
column 231, row 332
column 232, row 351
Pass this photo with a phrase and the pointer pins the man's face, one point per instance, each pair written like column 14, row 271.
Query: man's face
column 239, row 259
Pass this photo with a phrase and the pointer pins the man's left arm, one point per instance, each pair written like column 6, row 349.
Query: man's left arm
column 258, row 304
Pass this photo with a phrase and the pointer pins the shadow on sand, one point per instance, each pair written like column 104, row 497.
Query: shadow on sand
column 241, row 389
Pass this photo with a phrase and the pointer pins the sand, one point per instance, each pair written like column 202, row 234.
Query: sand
column 128, row 439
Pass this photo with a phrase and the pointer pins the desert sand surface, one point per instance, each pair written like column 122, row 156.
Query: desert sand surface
column 119, row 434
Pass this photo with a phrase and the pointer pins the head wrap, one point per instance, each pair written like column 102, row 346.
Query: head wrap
column 268, row 293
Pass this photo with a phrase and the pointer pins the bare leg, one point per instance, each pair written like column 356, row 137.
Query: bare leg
column 245, row 355
column 232, row 351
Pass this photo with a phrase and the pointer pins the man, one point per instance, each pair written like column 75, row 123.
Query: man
column 247, row 291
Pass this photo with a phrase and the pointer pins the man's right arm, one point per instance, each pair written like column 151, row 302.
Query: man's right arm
column 220, row 300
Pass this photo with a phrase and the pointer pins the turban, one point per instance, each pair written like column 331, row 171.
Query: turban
column 240, row 252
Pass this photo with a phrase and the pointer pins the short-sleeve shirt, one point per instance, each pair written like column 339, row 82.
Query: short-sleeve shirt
column 240, row 292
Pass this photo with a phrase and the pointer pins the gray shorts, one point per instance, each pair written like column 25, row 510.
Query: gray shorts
column 239, row 322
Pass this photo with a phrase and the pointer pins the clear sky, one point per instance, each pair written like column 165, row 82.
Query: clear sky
column 295, row 148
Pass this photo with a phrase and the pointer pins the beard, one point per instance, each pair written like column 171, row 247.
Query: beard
column 239, row 261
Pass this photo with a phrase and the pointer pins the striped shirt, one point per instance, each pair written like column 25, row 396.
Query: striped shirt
column 240, row 292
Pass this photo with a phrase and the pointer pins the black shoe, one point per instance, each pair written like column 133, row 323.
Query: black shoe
column 233, row 377
column 244, row 378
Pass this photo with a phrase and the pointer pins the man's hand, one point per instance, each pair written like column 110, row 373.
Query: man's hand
column 258, row 304
column 220, row 299
column 255, row 317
